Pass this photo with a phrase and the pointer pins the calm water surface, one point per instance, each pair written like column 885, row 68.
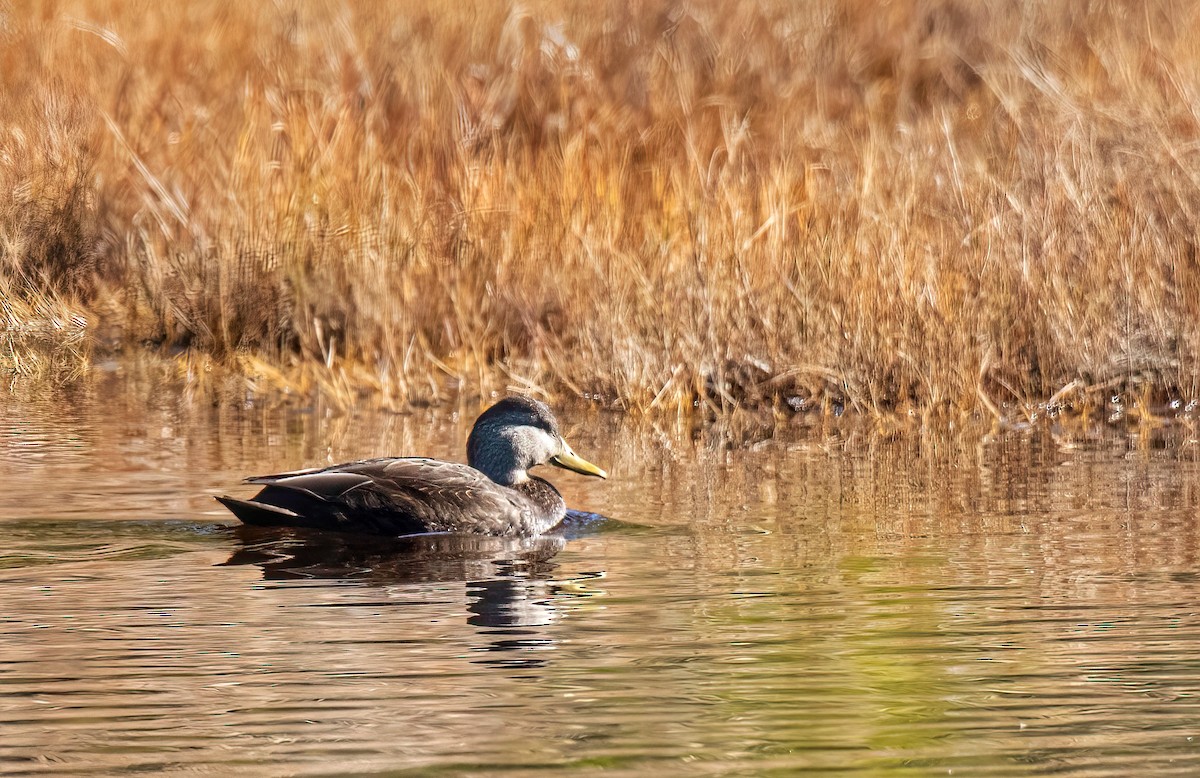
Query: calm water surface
column 755, row 605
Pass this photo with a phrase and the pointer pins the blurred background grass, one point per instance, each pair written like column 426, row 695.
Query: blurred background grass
column 928, row 206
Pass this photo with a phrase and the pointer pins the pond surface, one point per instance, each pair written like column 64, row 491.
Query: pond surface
column 756, row 605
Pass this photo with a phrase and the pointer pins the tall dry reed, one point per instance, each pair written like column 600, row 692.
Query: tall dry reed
column 930, row 204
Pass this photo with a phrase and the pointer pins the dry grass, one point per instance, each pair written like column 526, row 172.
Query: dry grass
column 929, row 205
column 42, row 338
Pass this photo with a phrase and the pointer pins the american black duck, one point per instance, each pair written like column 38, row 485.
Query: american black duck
column 491, row 495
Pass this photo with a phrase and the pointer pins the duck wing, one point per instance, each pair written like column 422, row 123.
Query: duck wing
column 390, row 496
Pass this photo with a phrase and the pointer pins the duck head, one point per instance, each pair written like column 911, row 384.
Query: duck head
column 519, row 433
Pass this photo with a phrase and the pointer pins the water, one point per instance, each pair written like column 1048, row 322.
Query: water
column 815, row 600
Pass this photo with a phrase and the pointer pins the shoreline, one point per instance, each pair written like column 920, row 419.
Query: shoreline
column 1077, row 408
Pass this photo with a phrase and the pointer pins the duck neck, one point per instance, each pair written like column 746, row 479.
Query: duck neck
column 552, row 507
column 500, row 471
column 494, row 453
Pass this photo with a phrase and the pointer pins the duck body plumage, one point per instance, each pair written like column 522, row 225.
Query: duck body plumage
column 491, row 495
column 401, row 496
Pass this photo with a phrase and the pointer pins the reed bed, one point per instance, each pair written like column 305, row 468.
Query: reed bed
column 921, row 207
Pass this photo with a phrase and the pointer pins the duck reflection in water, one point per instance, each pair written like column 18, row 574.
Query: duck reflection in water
column 509, row 581
column 292, row 554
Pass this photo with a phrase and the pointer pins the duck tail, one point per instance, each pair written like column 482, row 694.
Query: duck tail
column 261, row 514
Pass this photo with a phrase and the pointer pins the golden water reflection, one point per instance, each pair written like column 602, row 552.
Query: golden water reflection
column 805, row 600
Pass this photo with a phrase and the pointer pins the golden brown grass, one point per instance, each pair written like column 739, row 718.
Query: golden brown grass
column 41, row 338
column 935, row 205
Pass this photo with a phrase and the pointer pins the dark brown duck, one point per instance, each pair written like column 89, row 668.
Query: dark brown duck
column 492, row 495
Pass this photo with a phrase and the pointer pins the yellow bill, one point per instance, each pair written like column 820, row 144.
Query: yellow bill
column 569, row 460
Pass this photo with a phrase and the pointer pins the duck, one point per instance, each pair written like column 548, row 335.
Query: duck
column 493, row 494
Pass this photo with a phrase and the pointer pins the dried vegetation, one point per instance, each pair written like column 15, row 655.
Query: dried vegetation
column 935, row 206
